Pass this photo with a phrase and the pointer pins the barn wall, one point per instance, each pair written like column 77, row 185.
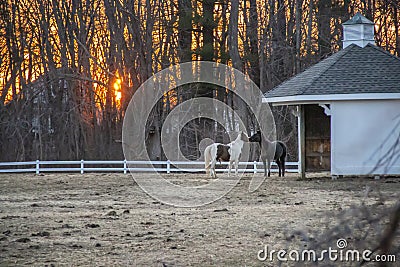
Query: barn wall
column 363, row 136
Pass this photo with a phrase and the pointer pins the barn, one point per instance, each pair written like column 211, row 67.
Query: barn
column 348, row 107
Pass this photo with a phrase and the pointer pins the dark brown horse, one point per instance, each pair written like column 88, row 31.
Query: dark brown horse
column 277, row 149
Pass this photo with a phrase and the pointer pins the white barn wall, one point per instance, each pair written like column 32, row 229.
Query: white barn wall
column 362, row 131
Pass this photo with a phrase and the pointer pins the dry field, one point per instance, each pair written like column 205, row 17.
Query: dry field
column 107, row 220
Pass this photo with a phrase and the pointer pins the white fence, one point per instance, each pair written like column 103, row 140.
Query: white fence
column 124, row 166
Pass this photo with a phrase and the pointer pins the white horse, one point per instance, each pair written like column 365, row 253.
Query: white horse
column 220, row 152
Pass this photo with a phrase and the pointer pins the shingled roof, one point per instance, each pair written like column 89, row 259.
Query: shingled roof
column 358, row 19
column 353, row 70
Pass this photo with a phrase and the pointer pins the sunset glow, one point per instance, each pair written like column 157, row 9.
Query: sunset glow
column 117, row 92
column 92, row 54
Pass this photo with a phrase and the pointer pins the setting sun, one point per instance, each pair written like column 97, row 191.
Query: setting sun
column 117, row 84
column 117, row 92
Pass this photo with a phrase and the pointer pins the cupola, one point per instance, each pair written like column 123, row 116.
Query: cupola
column 358, row 30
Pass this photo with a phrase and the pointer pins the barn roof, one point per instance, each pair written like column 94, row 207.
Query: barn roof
column 351, row 71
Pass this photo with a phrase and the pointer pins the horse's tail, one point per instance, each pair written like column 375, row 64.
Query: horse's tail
column 282, row 159
column 284, row 150
column 207, row 158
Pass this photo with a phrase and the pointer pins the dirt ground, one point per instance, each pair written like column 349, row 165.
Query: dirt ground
column 107, row 220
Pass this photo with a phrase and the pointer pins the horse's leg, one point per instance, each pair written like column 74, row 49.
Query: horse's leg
column 236, row 166
column 230, row 168
column 269, row 167
column 207, row 159
column 283, row 167
column 213, row 173
column 278, row 162
column 265, row 167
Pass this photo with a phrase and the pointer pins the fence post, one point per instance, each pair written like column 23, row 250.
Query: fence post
column 82, row 166
column 168, row 166
column 255, row 166
column 124, row 166
column 37, row 167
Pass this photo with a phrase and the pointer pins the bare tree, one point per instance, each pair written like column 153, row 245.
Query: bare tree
column 69, row 68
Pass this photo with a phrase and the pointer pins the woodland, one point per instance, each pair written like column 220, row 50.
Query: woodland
column 69, row 68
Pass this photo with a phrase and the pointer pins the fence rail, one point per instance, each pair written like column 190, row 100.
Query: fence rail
column 124, row 166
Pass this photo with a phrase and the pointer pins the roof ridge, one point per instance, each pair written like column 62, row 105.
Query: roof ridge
column 339, row 56
column 380, row 49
